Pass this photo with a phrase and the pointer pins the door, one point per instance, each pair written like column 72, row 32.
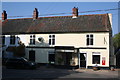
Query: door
column 66, row 58
column 32, row 55
column 51, row 57
column 83, row 60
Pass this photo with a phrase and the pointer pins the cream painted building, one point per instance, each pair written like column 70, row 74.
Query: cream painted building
column 77, row 40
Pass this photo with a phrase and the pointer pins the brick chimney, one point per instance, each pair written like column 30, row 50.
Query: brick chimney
column 35, row 14
column 74, row 12
column 4, row 15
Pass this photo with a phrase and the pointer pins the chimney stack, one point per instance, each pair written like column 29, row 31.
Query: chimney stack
column 75, row 12
column 4, row 15
column 35, row 14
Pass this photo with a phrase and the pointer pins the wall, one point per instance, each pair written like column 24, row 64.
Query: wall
column 103, row 53
column 72, row 39
column 76, row 39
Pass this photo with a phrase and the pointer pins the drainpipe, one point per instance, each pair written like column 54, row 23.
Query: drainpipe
column 79, row 59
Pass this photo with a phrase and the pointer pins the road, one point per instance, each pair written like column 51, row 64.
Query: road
column 54, row 73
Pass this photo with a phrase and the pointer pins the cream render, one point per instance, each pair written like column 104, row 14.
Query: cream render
column 76, row 39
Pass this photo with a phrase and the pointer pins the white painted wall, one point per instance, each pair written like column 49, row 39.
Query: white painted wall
column 76, row 40
column 103, row 53
column 72, row 39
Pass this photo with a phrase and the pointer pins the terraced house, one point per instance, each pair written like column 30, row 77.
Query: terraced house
column 79, row 40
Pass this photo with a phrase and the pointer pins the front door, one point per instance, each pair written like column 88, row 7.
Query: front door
column 83, row 60
column 66, row 58
column 32, row 55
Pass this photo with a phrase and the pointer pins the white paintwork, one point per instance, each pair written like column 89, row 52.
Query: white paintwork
column 110, row 18
column 70, row 39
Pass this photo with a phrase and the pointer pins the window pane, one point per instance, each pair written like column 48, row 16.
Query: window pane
column 3, row 40
column 91, row 41
column 87, row 41
column 33, row 36
column 53, row 36
column 30, row 36
column 96, row 59
column 87, row 36
column 49, row 41
column 30, row 41
column 33, row 41
column 91, row 35
column 12, row 39
column 53, row 41
column 49, row 36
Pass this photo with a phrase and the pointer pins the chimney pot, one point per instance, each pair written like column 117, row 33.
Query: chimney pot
column 75, row 12
column 35, row 14
column 4, row 15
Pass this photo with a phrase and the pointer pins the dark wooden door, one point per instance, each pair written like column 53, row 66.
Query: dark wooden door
column 32, row 56
column 68, row 58
column 82, row 59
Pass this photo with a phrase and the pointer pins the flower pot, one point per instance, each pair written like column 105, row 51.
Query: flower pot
column 95, row 68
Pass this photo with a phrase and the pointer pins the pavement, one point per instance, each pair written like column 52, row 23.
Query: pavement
column 55, row 73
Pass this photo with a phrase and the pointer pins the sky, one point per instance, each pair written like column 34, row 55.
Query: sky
column 26, row 9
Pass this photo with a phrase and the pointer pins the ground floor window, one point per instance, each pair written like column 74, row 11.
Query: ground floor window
column 96, row 59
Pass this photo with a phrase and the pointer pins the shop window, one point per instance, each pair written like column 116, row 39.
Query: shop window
column 96, row 59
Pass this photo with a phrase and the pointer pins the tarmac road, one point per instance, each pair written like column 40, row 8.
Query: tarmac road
column 54, row 73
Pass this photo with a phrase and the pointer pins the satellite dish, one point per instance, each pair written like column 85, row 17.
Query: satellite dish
column 41, row 39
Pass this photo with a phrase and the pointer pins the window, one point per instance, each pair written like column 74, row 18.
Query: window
column 96, row 59
column 12, row 39
column 32, row 39
column 3, row 40
column 89, row 40
column 51, row 39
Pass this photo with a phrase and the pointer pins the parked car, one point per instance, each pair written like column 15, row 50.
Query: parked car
column 4, row 60
column 20, row 63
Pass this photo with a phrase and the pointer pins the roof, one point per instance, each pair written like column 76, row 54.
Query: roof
column 58, row 24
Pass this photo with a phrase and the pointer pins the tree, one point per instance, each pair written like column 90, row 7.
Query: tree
column 116, row 42
column 20, row 50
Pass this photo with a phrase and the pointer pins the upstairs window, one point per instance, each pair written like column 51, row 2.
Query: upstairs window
column 89, row 40
column 3, row 40
column 12, row 39
column 51, row 39
column 32, row 39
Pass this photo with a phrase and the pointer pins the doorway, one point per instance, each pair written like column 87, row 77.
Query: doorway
column 32, row 55
column 83, row 60
column 67, row 58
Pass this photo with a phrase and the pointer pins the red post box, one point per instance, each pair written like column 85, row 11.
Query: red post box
column 103, row 60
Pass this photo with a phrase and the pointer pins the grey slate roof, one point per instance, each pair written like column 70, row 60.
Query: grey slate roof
column 84, row 23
